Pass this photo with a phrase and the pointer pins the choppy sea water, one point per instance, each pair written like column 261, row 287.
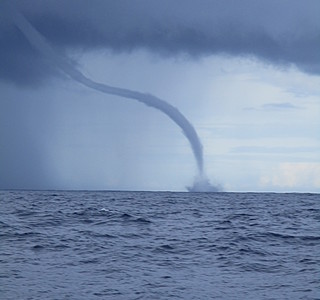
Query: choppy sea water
column 159, row 245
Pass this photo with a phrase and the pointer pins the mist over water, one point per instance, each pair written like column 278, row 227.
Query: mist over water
column 202, row 184
column 38, row 42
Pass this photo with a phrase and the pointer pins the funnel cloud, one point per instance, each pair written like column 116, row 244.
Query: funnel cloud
column 39, row 43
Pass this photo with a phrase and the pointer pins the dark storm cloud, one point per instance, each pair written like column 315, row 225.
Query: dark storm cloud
column 279, row 32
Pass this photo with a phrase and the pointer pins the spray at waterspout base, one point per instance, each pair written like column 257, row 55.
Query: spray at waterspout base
column 202, row 184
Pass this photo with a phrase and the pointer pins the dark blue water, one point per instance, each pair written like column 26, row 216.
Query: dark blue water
column 151, row 245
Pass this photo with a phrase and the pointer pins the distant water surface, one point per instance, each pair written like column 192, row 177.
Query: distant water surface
column 159, row 245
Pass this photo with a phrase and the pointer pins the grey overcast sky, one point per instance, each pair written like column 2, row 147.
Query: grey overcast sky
column 245, row 73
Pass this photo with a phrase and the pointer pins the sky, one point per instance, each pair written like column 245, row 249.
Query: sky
column 246, row 74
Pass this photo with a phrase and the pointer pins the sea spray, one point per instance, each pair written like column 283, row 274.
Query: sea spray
column 202, row 184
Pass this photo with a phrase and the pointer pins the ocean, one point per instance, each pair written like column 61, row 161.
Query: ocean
column 159, row 245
